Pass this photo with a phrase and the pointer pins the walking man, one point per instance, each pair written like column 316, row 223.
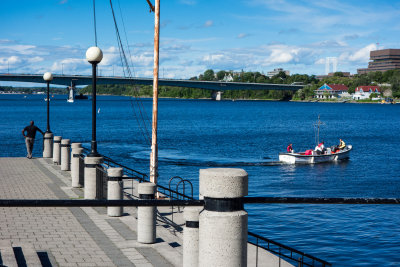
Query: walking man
column 30, row 137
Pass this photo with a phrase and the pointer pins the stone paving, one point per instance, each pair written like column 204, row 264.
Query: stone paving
column 75, row 236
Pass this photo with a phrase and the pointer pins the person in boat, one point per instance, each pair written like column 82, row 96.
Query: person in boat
column 289, row 148
column 342, row 144
column 320, row 148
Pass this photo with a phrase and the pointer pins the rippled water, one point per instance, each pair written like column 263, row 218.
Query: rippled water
column 195, row 134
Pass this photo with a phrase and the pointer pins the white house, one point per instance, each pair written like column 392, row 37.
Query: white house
column 331, row 91
column 363, row 92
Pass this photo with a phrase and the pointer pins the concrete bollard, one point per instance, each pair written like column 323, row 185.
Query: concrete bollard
column 223, row 222
column 74, row 145
column 48, row 145
column 90, row 178
column 65, row 154
column 115, row 190
column 191, row 237
column 76, row 163
column 146, row 223
column 57, row 150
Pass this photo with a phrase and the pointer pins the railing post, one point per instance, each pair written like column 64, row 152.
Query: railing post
column 146, row 223
column 191, row 237
column 57, row 150
column 65, row 154
column 48, row 145
column 115, row 190
column 90, row 177
column 76, row 163
column 223, row 222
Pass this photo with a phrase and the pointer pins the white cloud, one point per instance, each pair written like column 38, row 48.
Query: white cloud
column 35, row 59
column 208, row 23
column 362, row 55
column 242, row 35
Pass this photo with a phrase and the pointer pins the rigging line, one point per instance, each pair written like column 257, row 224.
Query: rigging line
column 94, row 19
column 127, row 65
column 124, row 61
column 126, row 37
column 146, row 118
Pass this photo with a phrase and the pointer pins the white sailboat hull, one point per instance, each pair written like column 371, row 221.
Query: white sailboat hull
column 297, row 158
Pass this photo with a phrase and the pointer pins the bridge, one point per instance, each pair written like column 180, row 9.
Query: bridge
column 217, row 87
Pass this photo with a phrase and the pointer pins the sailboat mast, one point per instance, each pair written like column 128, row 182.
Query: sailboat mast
column 154, row 148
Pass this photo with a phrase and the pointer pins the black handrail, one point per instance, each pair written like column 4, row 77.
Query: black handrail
column 291, row 250
column 175, row 197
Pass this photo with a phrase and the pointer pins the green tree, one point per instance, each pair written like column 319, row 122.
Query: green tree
column 209, row 75
column 221, row 75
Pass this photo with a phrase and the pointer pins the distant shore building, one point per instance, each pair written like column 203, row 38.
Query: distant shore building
column 382, row 60
column 331, row 74
column 274, row 72
column 332, row 91
column 364, row 92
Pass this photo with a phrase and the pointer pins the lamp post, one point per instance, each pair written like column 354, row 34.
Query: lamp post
column 48, row 77
column 94, row 55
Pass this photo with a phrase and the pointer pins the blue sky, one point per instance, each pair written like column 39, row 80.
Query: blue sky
column 253, row 35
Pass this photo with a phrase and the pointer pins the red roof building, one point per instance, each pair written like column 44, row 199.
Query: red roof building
column 368, row 89
column 331, row 90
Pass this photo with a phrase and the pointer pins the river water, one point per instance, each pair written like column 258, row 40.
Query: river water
column 195, row 134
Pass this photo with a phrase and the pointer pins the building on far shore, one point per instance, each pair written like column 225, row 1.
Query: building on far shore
column 331, row 74
column 332, row 91
column 363, row 92
column 382, row 60
column 274, row 72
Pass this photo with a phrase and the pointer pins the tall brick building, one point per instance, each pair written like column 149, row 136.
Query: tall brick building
column 382, row 60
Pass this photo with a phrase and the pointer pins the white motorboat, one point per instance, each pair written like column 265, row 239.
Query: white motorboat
column 312, row 156
column 328, row 156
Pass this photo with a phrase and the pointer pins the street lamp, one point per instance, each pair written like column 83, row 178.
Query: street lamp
column 94, row 55
column 48, row 77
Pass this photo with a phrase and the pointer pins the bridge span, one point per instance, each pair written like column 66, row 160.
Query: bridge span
column 216, row 86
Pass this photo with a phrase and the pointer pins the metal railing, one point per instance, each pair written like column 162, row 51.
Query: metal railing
column 291, row 255
column 282, row 251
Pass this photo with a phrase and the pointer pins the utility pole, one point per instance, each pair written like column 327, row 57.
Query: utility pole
column 154, row 148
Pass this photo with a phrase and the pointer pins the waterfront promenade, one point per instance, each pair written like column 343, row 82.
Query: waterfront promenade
column 81, row 236
column 71, row 236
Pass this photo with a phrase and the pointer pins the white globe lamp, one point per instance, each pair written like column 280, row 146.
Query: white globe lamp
column 48, row 76
column 94, row 55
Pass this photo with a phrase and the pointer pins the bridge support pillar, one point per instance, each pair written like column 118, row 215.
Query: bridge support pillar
column 216, row 95
column 223, row 222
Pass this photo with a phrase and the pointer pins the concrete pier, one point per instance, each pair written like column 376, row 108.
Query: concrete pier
column 191, row 237
column 115, row 190
column 48, row 145
column 91, row 180
column 77, row 167
column 65, row 154
column 57, row 150
column 223, row 222
column 84, row 236
column 147, row 215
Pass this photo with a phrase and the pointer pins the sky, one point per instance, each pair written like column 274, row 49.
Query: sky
column 196, row 35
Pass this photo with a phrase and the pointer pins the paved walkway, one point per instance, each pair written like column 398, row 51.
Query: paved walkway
column 82, row 236
column 72, row 236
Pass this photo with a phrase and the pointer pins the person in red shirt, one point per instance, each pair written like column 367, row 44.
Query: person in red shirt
column 289, row 149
